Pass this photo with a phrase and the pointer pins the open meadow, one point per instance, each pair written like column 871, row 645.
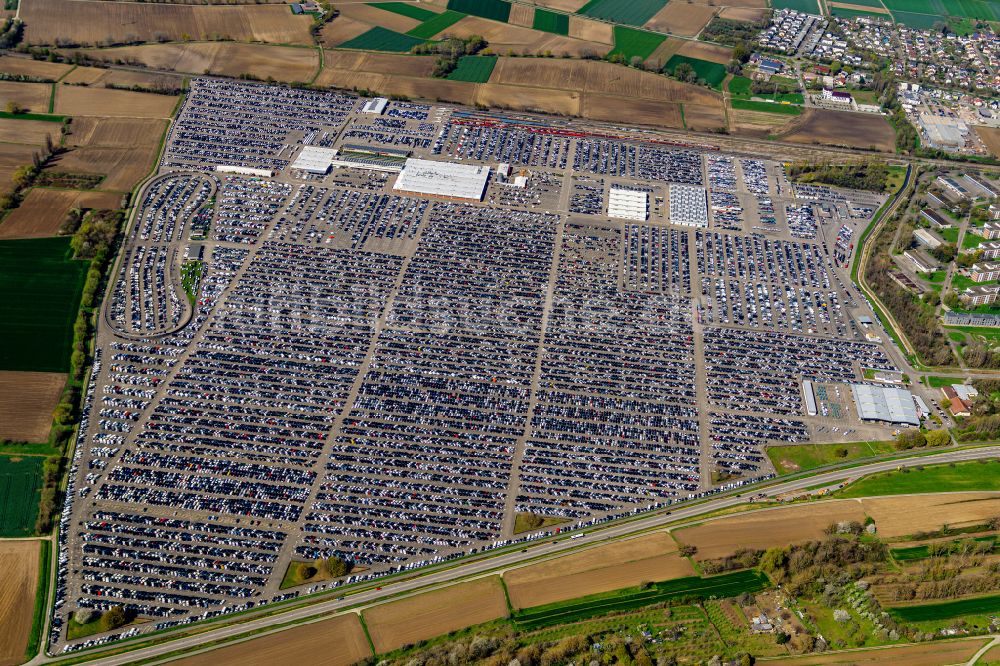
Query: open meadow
column 339, row 641
column 282, row 63
column 20, row 488
column 43, row 211
column 602, row 569
column 26, row 403
column 841, row 128
column 19, row 563
column 423, row 616
column 40, row 287
column 92, row 23
column 930, row 479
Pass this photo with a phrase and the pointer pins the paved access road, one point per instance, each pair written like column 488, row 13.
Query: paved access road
column 549, row 547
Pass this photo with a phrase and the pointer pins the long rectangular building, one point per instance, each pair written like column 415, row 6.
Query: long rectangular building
column 443, row 179
column 885, row 403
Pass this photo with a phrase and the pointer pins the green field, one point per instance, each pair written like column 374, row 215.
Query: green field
column 497, row 10
column 382, row 39
column 866, row 3
column 406, row 9
column 914, row 20
column 947, row 610
column 845, row 12
column 629, row 12
column 20, row 492
column 40, row 288
column 475, row 69
column 914, row 553
column 807, row 6
column 938, row 382
column 740, row 87
column 631, row 43
column 711, row 73
column 726, row 585
column 433, row 26
column 46, row 117
column 931, row 479
column 553, row 22
column 800, row 457
column 915, row 6
column 766, row 107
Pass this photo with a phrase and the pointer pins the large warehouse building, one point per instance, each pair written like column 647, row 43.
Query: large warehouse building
column 628, row 204
column 443, row 179
column 885, row 403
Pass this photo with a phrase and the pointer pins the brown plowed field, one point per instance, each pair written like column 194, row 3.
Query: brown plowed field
column 31, row 96
column 564, row 5
column 639, row 111
column 625, row 564
column 523, row 15
column 122, row 167
column 431, row 614
column 375, row 16
column 861, row 8
column 19, row 563
column 352, row 80
column 681, row 18
column 115, row 132
column 704, row 118
column 899, row 516
column 85, row 75
column 592, row 31
column 87, row 22
column 529, row 99
column 13, row 156
column 990, row 137
column 734, row 3
column 658, row 58
column 27, row 398
column 31, row 132
column 341, row 29
column 938, row 653
column 758, row 123
column 339, row 641
column 42, row 213
column 78, row 101
column 380, row 63
column 766, row 528
column 458, row 92
column 29, row 67
column 841, row 128
column 283, row 63
column 711, row 52
column 743, row 13
column 503, row 37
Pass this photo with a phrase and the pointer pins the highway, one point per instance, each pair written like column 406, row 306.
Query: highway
column 502, row 562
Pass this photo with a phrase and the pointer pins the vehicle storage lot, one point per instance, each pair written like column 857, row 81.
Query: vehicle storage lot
column 392, row 378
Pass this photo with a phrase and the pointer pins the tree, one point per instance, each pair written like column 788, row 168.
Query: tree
column 113, row 618
column 937, row 438
column 337, row 566
column 14, row 108
column 773, row 559
column 945, row 403
column 688, row 551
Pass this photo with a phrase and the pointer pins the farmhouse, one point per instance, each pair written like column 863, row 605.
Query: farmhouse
column 959, row 406
column 885, row 403
column 443, row 179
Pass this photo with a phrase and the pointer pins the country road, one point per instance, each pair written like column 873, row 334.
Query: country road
column 500, row 563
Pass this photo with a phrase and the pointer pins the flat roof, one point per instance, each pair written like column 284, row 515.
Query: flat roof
column 314, row 160
column 446, row 179
column 885, row 403
column 628, row 204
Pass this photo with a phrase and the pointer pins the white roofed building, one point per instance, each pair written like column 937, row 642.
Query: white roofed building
column 375, row 106
column 628, row 204
column 885, row 403
column 688, row 205
column 314, row 160
column 443, row 179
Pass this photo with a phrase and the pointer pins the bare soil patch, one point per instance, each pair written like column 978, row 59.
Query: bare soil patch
column 766, row 528
column 522, row 15
column 564, row 5
column 89, row 23
column 841, row 128
column 658, row 58
column 743, row 13
column 27, row 398
column 590, row 30
column 990, row 137
column 899, row 516
column 339, row 641
column 29, row 67
column 30, row 96
column 77, row 101
column 758, row 123
column 638, row 111
column 376, row 16
column 458, row 92
column 85, row 75
column 341, row 29
column 30, row 132
column 282, row 63
column 42, row 213
column 19, row 563
column 122, row 167
column 529, row 99
column 13, row 156
column 703, row 118
column 705, row 51
column 431, row 614
column 500, row 36
column 681, row 18
column 380, row 63
column 352, row 80
column 734, row 3
column 115, row 132
column 930, row 654
column 860, row 8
